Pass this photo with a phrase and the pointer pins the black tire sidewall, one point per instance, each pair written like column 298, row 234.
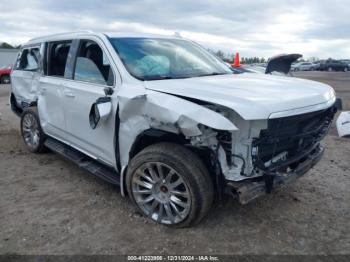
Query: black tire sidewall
column 183, row 170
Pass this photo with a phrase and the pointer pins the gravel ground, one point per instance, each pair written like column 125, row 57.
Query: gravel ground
column 50, row 206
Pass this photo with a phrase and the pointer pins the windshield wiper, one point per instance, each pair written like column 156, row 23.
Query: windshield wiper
column 212, row 74
column 157, row 77
column 160, row 77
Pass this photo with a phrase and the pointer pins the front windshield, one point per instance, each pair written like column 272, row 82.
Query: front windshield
column 161, row 58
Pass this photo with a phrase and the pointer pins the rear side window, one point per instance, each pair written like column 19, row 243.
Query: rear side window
column 28, row 59
column 57, row 58
column 92, row 65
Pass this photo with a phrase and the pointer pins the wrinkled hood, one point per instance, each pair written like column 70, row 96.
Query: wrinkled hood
column 253, row 96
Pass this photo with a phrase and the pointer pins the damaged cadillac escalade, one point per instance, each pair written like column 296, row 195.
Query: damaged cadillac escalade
column 166, row 121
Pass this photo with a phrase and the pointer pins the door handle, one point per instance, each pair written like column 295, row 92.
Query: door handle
column 42, row 90
column 68, row 93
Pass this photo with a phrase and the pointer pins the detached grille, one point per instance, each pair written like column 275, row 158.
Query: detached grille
column 294, row 135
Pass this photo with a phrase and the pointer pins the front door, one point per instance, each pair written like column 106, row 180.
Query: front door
column 92, row 73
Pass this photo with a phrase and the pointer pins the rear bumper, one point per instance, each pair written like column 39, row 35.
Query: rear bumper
column 249, row 190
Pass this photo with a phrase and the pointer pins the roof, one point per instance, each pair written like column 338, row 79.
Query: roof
column 142, row 35
column 59, row 36
column 62, row 36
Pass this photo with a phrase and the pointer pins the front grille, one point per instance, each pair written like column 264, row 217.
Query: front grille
column 293, row 135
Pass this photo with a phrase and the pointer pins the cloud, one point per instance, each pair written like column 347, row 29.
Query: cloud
column 255, row 28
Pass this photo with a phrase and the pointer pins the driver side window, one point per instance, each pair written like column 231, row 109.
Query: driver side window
column 92, row 65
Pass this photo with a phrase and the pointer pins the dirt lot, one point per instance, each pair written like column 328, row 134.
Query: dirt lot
column 49, row 206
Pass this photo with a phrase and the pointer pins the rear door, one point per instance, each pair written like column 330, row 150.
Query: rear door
column 25, row 71
column 92, row 73
column 50, row 103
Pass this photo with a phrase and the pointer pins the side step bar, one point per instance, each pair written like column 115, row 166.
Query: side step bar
column 83, row 161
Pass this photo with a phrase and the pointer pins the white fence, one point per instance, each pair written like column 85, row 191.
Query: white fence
column 7, row 56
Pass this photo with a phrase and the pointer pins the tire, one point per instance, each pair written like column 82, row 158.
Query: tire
column 329, row 69
column 32, row 134
column 346, row 69
column 5, row 79
column 312, row 69
column 189, row 182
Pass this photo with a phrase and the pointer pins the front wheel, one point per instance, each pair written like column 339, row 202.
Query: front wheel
column 330, row 69
column 170, row 185
column 33, row 135
column 346, row 69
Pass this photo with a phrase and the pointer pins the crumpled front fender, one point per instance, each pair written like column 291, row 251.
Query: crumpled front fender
column 140, row 110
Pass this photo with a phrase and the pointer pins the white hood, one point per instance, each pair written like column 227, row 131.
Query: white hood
column 253, row 96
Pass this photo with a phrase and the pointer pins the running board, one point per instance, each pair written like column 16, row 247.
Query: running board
column 83, row 161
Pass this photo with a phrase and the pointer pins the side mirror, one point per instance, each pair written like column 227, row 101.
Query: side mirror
column 100, row 111
column 108, row 91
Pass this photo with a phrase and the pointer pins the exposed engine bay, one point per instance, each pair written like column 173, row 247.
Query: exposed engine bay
column 264, row 150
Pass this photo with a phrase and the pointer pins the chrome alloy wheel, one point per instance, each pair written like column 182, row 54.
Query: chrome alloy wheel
column 31, row 131
column 161, row 193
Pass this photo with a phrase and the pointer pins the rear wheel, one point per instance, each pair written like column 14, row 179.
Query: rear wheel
column 170, row 185
column 32, row 134
column 346, row 69
column 329, row 69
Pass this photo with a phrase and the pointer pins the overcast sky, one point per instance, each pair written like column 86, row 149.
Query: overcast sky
column 254, row 28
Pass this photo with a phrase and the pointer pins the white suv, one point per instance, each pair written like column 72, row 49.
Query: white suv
column 167, row 121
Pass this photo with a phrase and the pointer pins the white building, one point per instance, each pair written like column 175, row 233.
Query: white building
column 7, row 56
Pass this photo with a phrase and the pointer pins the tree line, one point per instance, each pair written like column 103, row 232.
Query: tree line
column 228, row 57
column 8, row 46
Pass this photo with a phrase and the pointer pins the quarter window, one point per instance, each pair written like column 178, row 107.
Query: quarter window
column 92, row 64
column 29, row 59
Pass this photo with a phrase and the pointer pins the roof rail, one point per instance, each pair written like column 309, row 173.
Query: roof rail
column 62, row 34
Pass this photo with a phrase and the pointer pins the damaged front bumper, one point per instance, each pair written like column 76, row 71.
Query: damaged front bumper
column 283, row 152
column 249, row 190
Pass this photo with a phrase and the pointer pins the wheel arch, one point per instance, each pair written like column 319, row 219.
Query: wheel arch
column 153, row 136
column 176, row 120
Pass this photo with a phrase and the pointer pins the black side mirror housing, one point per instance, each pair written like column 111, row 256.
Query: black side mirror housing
column 108, row 91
